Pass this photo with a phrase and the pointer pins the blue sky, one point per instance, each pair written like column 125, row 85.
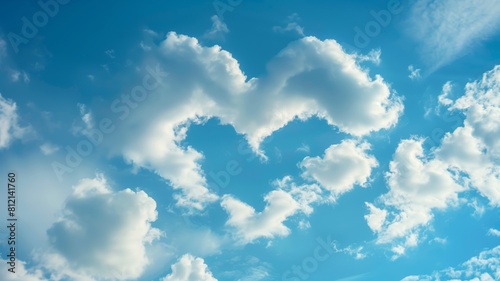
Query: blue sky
column 251, row 140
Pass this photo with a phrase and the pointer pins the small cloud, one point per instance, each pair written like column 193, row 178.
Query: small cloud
column 151, row 32
column 304, row 148
column 110, row 53
column 354, row 251
column 16, row 76
column 373, row 56
column 304, row 224
column 439, row 240
column 86, row 123
column 48, row 149
column 478, row 208
column 10, row 129
column 144, row 46
column 105, row 67
column 219, row 28
column 398, row 251
column 443, row 98
column 91, row 77
column 86, row 116
column 414, row 72
column 291, row 25
column 494, row 232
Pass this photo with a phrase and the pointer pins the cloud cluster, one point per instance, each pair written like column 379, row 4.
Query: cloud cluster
column 309, row 77
column 342, row 167
column 467, row 158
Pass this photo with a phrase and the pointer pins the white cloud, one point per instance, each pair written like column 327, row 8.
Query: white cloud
column 414, row 72
column 9, row 127
column 375, row 218
column 354, row 251
column 494, row 232
column 484, row 267
column 474, row 148
column 219, row 28
column 291, row 25
column 449, row 29
column 373, row 56
column 189, row 268
column 247, row 225
column 21, row 272
column 48, row 148
column 417, row 186
column 467, row 158
column 308, row 78
column 443, row 98
column 102, row 233
column 342, row 166
column 478, row 208
column 16, row 75
column 304, row 148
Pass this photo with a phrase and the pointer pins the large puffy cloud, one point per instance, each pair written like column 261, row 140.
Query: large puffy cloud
column 475, row 148
column 10, row 129
column 309, row 77
column 483, row 267
column 467, row 158
column 102, row 234
column 190, row 268
column 448, row 29
column 417, row 185
column 342, row 166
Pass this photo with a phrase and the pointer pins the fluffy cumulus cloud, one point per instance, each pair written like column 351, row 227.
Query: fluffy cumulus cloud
column 417, row 186
column 483, row 267
column 448, row 29
column 10, row 129
column 101, row 234
column 475, row 148
column 248, row 225
column 310, row 77
column 189, row 268
column 467, row 158
column 342, row 166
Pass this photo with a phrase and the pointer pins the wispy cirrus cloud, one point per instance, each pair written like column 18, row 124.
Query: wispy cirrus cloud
column 449, row 29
